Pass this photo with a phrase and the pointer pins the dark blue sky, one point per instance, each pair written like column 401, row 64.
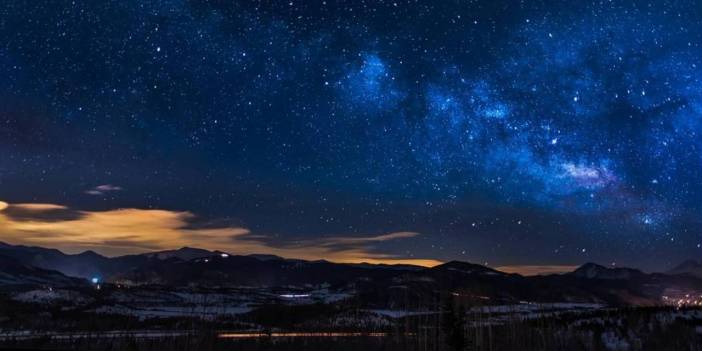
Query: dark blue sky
column 502, row 132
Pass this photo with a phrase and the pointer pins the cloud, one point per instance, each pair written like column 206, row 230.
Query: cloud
column 384, row 237
column 39, row 212
column 38, row 207
column 103, row 189
column 343, row 243
column 131, row 230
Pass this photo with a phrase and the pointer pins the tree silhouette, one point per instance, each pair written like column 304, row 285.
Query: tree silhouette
column 453, row 325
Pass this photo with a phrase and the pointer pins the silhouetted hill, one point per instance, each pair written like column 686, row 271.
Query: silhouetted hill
column 82, row 265
column 466, row 268
column 192, row 266
column 217, row 270
column 14, row 273
column 595, row 271
column 184, row 253
column 383, row 285
column 690, row 267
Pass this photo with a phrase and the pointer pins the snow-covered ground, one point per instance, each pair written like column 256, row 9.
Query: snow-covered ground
column 503, row 313
column 400, row 313
column 205, row 312
column 143, row 334
column 532, row 307
column 48, row 296
column 615, row 342
column 354, row 320
column 313, row 296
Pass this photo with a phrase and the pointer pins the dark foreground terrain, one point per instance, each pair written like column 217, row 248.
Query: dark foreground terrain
column 192, row 299
column 655, row 329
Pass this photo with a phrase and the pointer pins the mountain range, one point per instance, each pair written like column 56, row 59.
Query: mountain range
column 690, row 267
column 383, row 285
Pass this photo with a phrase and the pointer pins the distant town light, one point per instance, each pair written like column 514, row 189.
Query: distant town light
column 95, row 280
column 225, row 255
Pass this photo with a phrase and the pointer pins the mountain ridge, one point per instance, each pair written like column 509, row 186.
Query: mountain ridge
column 199, row 268
column 690, row 267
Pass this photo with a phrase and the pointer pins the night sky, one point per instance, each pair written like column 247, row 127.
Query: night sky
column 533, row 133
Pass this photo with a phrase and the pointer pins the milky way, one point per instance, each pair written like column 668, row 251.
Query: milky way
column 503, row 132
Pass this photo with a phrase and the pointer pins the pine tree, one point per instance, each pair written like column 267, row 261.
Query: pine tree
column 453, row 325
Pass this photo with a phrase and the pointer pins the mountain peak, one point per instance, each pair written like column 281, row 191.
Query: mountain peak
column 91, row 254
column 184, row 253
column 691, row 267
column 466, row 267
column 690, row 263
column 592, row 270
column 266, row 257
column 186, row 248
column 591, row 265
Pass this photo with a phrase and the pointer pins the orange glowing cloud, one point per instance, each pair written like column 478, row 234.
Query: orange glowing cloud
column 38, row 207
column 129, row 231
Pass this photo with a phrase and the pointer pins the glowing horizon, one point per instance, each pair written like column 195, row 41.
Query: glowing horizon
column 119, row 232
column 134, row 231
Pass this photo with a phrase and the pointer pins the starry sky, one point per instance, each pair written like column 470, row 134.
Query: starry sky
column 525, row 135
